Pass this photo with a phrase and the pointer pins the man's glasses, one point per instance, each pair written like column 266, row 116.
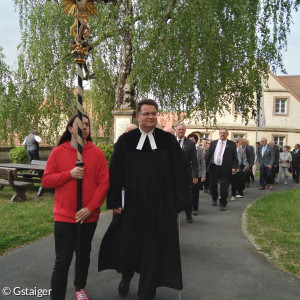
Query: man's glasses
column 148, row 114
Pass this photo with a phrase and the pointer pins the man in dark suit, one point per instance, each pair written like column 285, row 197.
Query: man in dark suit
column 191, row 162
column 275, row 167
column 221, row 162
column 265, row 157
column 250, row 153
column 296, row 163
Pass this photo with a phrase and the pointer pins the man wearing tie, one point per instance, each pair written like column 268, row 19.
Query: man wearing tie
column 265, row 157
column 191, row 162
column 221, row 162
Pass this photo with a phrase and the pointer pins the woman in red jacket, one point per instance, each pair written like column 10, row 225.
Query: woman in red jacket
column 62, row 174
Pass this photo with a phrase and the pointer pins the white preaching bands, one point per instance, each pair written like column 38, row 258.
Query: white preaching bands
column 143, row 138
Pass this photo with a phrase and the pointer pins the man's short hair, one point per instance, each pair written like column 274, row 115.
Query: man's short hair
column 147, row 102
column 178, row 124
column 223, row 129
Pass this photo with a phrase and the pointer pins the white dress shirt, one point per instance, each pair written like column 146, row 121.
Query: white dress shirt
column 217, row 151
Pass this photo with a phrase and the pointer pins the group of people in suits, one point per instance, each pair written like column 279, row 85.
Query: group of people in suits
column 227, row 162
column 219, row 163
column 275, row 163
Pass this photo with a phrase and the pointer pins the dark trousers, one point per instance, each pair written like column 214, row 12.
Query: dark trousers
column 216, row 175
column 275, row 171
column 147, row 288
column 33, row 155
column 195, row 195
column 206, row 182
column 65, row 235
column 188, row 206
column 265, row 176
column 249, row 175
column 296, row 171
column 236, row 184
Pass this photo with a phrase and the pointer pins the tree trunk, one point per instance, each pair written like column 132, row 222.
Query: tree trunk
column 125, row 90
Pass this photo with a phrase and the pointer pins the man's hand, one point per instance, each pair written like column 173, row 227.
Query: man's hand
column 202, row 179
column 77, row 172
column 270, row 167
column 195, row 180
column 233, row 171
column 82, row 214
column 117, row 210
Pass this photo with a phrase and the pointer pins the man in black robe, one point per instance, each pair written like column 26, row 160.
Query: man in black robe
column 147, row 164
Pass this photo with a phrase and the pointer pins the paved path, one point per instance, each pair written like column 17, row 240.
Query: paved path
column 218, row 262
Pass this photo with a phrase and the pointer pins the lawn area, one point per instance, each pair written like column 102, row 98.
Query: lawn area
column 274, row 222
column 26, row 221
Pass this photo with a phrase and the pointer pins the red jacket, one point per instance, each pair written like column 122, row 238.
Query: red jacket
column 95, row 183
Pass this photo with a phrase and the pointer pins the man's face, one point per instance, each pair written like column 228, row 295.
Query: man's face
column 147, row 117
column 264, row 142
column 208, row 144
column 180, row 131
column 296, row 146
column 223, row 134
column 203, row 143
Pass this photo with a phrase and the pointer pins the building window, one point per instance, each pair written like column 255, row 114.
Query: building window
column 238, row 135
column 279, row 140
column 237, row 108
column 204, row 136
column 280, row 106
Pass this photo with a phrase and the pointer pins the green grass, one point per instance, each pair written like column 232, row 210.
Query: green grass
column 24, row 222
column 274, row 222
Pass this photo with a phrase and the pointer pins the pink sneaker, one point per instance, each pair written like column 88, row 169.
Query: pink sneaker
column 82, row 295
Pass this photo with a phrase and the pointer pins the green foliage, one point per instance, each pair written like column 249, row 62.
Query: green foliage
column 7, row 92
column 18, row 155
column 194, row 56
column 107, row 150
column 274, row 223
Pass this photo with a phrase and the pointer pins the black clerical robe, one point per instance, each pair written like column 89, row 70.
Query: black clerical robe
column 144, row 238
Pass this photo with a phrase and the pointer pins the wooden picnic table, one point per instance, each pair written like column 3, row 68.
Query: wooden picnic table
column 37, row 168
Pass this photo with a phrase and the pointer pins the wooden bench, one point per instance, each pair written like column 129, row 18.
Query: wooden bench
column 8, row 177
column 34, row 177
column 34, row 174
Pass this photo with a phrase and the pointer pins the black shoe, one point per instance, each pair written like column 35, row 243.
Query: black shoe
column 189, row 220
column 222, row 207
column 214, row 203
column 123, row 288
column 195, row 213
column 252, row 180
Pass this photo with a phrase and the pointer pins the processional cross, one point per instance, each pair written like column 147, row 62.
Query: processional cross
column 80, row 10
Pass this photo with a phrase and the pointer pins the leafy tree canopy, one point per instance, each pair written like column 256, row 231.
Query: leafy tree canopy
column 194, row 56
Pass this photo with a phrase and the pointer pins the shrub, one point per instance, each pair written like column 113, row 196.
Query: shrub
column 18, row 155
column 107, row 150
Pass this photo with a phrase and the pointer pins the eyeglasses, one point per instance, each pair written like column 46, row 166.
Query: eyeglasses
column 148, row 114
